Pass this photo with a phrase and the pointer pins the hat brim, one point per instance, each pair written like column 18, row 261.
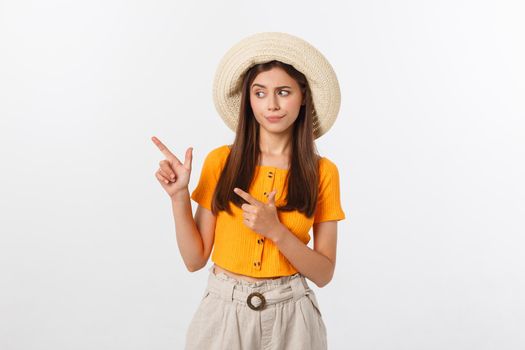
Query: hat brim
column 287, row 48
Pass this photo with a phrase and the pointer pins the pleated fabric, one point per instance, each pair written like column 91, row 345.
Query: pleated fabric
column 290, row 318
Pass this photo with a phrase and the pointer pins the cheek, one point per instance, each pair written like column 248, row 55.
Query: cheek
column 256, row 106
column 293, row 104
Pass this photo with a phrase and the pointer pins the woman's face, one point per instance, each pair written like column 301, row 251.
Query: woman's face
column 275, row 98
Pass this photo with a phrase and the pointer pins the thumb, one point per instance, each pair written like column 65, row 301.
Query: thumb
column 271, row 197
column 188, row 158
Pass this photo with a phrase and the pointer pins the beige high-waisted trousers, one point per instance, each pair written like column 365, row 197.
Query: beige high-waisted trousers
column 232, row 316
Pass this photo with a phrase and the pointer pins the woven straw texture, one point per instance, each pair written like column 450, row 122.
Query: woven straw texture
column 287, row 48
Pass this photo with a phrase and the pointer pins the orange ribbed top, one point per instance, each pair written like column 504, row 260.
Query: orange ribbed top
column 239, row 249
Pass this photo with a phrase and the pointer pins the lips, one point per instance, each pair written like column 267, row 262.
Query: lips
column 274, row 119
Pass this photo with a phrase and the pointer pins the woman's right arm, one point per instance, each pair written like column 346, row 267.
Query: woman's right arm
column 194, row 235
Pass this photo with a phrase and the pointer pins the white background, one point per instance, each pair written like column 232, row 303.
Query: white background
column 429, row 143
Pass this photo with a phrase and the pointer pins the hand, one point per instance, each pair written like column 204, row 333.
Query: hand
column 173, row 175
column 260, row 217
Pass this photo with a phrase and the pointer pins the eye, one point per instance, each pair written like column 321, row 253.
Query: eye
column 286, row 93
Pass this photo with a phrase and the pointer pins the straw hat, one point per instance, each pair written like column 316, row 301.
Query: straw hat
column 287, row 48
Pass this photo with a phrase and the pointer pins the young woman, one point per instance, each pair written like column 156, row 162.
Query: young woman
column 259, row 197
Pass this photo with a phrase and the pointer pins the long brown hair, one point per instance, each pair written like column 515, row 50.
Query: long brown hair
column 302, row 176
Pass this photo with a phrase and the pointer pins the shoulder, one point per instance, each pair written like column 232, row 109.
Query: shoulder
column 328, row 177
column 218, row 155
column 219, row 152
column 327, row 167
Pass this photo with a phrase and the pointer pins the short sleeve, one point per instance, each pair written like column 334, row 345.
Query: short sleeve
column 329, row 199
column 209, row 177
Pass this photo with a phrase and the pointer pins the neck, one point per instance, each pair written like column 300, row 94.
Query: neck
column 273, row 144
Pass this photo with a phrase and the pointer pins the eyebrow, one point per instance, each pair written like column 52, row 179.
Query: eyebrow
column 278, row 87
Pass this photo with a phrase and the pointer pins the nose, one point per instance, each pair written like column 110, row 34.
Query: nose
column 272, row 103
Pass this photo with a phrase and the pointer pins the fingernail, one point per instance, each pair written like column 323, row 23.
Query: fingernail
column 172, row 176
column 166, row 181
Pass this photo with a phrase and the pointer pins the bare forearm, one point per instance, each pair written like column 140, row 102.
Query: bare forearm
column 189, row 238
column 315, row 266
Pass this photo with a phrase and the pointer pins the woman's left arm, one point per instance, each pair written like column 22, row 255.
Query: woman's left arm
column 316, row 264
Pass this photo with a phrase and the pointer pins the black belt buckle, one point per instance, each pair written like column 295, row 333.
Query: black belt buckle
column 249, row 301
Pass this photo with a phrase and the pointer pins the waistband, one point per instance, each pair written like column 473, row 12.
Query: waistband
column 258, row 295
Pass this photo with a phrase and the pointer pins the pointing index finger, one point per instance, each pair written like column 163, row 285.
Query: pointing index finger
column 248, row 197
column 164, row 149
